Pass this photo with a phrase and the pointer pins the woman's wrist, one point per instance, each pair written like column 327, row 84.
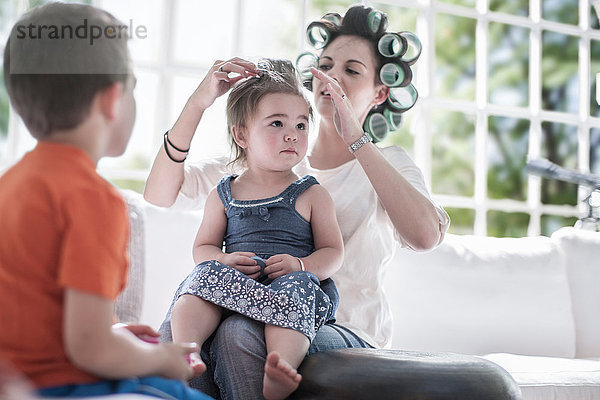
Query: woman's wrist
column 359, row 142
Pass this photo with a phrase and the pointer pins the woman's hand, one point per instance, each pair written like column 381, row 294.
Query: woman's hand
column 241, row 261
column 344, row 118
column 217, row 81
column 280, row 265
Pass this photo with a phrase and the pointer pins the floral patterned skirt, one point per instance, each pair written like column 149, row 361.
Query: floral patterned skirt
column 293, row 301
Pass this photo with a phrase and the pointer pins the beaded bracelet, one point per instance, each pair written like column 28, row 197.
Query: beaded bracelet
column 165, row 141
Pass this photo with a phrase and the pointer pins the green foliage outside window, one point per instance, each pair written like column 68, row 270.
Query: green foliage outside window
column 516, row 7
column 507, row 156
column 563, row 11
column 453, row 153
column 551, row 223
column 559, row 145
column 455, row 57
column 462, row 220
column 507, row 224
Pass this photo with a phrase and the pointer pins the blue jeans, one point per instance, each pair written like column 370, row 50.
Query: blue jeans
column 154, row 386
column 235, row 356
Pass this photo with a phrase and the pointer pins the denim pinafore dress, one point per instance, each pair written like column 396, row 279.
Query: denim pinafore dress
column 266, row 227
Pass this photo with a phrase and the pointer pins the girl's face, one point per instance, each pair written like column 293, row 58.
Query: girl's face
column 276, row 138
column 351, row 62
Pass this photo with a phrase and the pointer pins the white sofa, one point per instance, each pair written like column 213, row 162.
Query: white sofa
column 531, row 305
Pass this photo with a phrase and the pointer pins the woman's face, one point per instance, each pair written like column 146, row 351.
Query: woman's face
column 351, row 62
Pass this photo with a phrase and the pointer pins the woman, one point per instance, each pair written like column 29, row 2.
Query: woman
column 379, row 196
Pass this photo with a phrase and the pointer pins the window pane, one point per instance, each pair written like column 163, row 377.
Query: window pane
column 466, row 3
column 595, row 151
column 517, row 7
column 318, row 8
column 507, row 155
column 564, row 11
column 506, row 224
column 552, row 223
column 210, row 139
column 455, row 57
column 206, row 41
column 141, row 148
column 453, row 153
column 594, row 23
column 594, row 68
column 559, row 145
column 270, row 29
column 8, row 15
column 144, row 23
column 560, row 84
column 399, row 18
column 462, row 219
column 508, row 65
column 132, row 184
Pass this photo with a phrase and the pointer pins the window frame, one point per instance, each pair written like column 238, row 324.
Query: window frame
column 167, row 69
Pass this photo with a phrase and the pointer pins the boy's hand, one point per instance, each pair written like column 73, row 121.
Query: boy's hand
column 217, row 81
column 241, row 261
column 181, row 360
column 144, row 332
column 280, row 265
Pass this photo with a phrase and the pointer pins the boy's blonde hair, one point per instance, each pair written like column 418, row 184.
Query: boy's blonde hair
column 275, row 76
column 54, row 64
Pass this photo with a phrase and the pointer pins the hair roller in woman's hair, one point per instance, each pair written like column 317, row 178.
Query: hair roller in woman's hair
column 376, row 126
column 413, row 50
column 392, row 45
column 376, row 21
column 317, row 34
column 393, row 75
column 334, row 18
column 304, row 62
column 403, row 97
column 393, row 118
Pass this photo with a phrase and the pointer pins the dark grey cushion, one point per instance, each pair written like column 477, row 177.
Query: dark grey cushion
column 396, row 374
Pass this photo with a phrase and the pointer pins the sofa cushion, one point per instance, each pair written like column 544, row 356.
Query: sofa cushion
column 479, row 295
column 582, row 254
column 169, row 238
column 543, row 378
column 128, row 307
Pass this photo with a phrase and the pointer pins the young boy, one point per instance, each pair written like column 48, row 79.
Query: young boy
column 64, row 231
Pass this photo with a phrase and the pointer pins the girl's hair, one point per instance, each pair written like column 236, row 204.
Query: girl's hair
column 274, row 76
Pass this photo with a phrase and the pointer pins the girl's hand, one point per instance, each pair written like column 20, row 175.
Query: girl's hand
column 344, row 118
column 241, row 261
column 217, row 80
column 280, row 265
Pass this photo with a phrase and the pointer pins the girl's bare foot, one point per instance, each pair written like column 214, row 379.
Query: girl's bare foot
column 280, row 378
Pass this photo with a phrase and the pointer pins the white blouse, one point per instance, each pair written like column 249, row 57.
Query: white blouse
column 369, row 236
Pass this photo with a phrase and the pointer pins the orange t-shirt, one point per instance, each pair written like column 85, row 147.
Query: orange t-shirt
column 62, row 226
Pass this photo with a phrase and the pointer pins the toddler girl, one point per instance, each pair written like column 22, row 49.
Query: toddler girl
column 280, row 234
